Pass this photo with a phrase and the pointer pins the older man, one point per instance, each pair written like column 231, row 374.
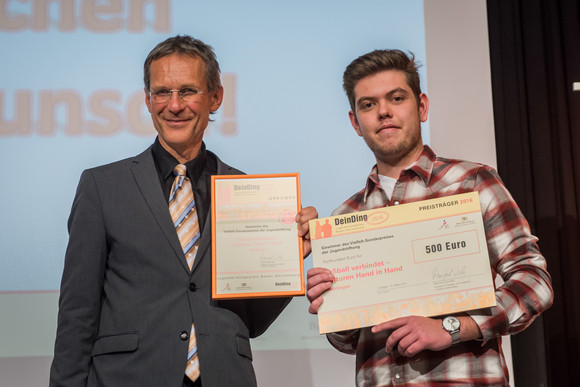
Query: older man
column 135, row 306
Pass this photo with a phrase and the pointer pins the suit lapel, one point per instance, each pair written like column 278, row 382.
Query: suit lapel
column 147, row 180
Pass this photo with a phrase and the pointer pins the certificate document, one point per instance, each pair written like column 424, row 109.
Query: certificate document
column 424, row 258
column 256, row 248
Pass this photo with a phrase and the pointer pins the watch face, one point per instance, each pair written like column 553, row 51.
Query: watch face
column 451, row 324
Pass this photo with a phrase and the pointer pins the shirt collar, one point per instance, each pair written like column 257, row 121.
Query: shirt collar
column 422, row 167
column 166, row 162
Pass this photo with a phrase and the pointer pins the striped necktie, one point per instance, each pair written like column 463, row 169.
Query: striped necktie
column 184, row 216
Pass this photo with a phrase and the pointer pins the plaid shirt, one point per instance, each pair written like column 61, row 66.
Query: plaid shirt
column 513, row 255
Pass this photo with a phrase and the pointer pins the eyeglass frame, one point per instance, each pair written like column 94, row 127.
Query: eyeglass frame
column 154, row 95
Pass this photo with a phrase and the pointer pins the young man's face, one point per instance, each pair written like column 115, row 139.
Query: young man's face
column 180, row 123
column 388, row 118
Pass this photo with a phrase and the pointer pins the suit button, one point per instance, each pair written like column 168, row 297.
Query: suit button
column 184, row 335
column 192, row 287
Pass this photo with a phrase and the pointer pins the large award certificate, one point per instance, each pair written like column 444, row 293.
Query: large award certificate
column 425, row 258
column 256, row 248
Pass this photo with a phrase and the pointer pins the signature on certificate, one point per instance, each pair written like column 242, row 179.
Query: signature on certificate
column 447, row 273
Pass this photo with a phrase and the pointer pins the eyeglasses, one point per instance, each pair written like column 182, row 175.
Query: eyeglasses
column 187, row 94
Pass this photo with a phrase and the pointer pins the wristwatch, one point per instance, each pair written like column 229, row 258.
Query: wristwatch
column 451, row 325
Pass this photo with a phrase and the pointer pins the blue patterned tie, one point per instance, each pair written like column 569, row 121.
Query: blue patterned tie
column 184, row 216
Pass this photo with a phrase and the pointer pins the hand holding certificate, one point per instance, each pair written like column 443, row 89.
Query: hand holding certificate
column 256, row 248
column 425, row 258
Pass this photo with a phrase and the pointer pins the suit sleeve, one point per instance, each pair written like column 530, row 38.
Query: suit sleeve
column 81, row 287
column 257, row 314
column 263, row 313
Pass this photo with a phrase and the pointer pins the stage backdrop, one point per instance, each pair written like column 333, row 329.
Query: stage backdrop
column 71, row 97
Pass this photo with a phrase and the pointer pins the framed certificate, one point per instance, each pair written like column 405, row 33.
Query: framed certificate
column 256, row 248
column 424, row 258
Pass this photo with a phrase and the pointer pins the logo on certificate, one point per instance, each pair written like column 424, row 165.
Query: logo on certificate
column 287, row 217
column 464, row 221
column 244, row 286
column 378, row 217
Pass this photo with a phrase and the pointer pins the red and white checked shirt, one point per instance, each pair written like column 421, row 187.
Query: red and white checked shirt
column 513, row 255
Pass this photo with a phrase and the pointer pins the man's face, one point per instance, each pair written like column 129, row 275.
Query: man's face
column 387, row 117
column 181, row 124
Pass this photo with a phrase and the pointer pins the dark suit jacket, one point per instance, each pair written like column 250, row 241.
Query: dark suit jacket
column 128, row 299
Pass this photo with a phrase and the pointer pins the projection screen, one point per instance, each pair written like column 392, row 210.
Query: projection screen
column 71, row 97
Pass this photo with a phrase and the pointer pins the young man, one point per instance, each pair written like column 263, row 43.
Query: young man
column 135, row 306
column 387, row 108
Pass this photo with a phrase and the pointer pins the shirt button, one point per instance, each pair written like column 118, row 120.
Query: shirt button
column 397, row 376
column 396, row 203
column 184, row 335
column 192, row 287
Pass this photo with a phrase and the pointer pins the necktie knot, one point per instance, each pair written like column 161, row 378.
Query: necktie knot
column 179, row 170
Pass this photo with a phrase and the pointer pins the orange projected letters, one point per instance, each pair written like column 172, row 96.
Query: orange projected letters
column 92, row 15
column 103, row 115
column 229, row 125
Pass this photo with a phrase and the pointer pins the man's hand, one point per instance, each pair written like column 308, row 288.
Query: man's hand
column 302, row 219
column 414, row 334
column 319, row 280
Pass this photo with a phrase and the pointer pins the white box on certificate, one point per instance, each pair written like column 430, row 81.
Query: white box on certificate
column 424, row 258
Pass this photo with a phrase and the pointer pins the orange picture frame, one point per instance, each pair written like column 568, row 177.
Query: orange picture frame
column 256, row 251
